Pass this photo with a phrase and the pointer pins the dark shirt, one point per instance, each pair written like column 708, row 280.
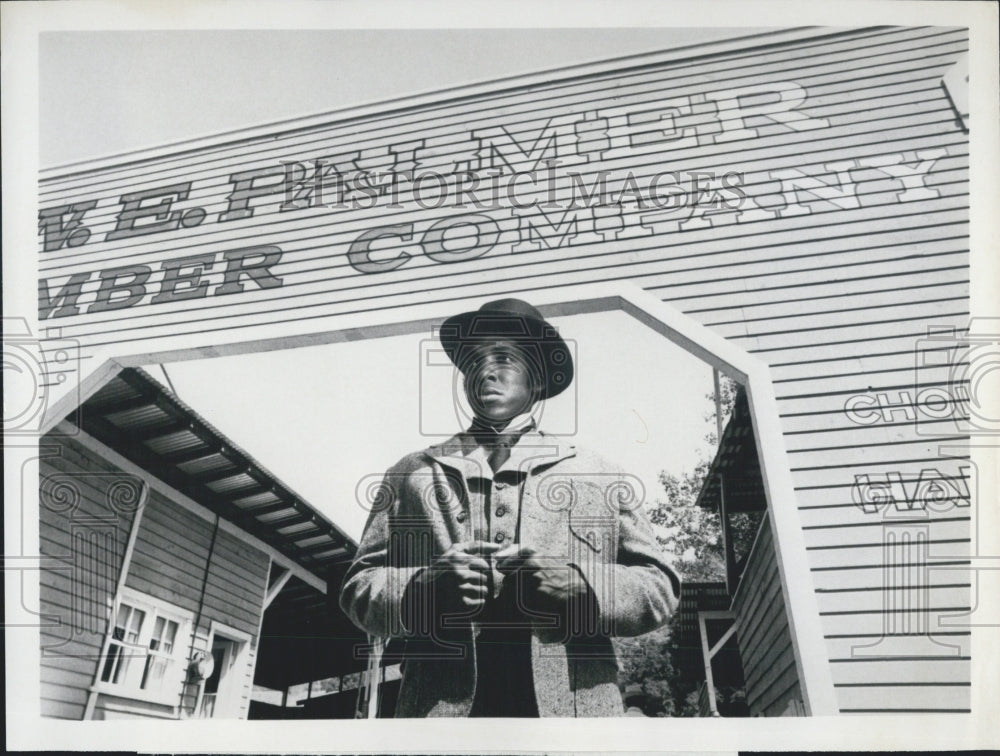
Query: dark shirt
column 504, row 681
column 505, row 685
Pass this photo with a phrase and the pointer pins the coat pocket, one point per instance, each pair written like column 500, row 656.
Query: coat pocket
column 599, row 534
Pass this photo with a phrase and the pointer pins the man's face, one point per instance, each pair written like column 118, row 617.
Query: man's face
column 498, row 382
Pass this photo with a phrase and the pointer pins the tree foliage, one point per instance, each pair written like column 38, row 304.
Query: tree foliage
column 690, row 533
column 693, row 536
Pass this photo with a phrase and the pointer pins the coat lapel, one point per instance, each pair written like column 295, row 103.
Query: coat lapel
column 535, row 450
column 462, row 453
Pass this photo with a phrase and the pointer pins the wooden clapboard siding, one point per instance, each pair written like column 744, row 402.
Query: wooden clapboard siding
column 837, row 299
column 867, row 101
column 888, row 597
column 762, row 632
column 753, row 234
column 188, row 554
column 154, row 570
column 871, row 191
column 116, row 707
column 806, row 57
column 857, row 644
column 849, row 514
column 939, row 531
column 877, row 578
column 367, row 292
column 847, row 282
column 78, row 577
column 216, row 576
column 824, row 424
column 883, row 437
column 169, row 563
column 315, row 271
column 874, row 552
column 824, row 377
column 932, row 689
column 244, row 588
column 62, row 701
column 235, row 586
column 791, row 312
column 834, row 485
column 926, row 697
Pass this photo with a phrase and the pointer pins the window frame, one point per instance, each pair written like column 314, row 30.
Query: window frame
column 808, row 640
column 169, row 694
column 226, row 701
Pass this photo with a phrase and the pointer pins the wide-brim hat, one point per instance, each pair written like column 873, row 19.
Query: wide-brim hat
column 517, row 321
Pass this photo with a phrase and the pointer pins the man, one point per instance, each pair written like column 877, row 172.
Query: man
column 505, row 557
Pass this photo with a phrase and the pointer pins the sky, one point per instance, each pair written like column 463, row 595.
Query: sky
column 326, row 419
column 329, row 420
column 102, row 93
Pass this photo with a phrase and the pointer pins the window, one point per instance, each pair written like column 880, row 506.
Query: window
column 159, row 658
column 145, row 650
column 124, row 635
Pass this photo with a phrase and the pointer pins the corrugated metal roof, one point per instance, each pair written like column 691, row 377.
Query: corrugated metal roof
column 304, row 635
column 173, row 442
column 298, row 528
column 211, row 462
column 695, row 597
column 115, row 392
column 139, row 418
column 736, row 465
column 146, row 417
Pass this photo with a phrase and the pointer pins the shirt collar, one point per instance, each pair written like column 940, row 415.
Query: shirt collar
column 534, row 448
column 517, row 426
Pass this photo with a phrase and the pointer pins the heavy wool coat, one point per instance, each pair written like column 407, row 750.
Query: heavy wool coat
column 575, row 508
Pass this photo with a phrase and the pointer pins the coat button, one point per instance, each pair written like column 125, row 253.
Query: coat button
column 499, row 537
column 461, row 517
column 501, row 510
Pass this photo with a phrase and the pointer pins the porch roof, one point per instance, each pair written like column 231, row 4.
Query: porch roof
column 736, row 467
column 304, row 635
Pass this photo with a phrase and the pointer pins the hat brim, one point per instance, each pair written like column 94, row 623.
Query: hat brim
column 462, row 335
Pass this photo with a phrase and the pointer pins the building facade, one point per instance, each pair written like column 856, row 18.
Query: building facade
column 802, row 195
column 178, row 571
